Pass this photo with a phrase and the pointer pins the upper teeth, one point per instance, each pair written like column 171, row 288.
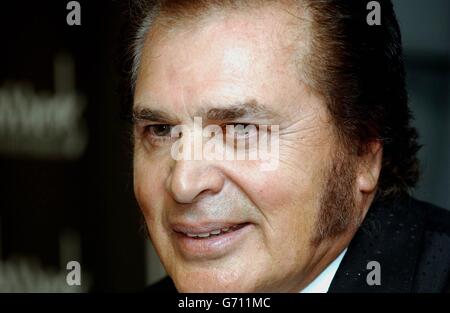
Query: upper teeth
column 213, row 232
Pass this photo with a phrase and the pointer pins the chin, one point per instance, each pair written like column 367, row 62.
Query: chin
column 207, row 281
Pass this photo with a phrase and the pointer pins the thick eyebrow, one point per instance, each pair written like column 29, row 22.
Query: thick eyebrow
column 245, row 109
column 221, row 113
column 145, row 114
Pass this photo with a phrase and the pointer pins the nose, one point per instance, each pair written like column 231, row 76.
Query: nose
column 191, row 179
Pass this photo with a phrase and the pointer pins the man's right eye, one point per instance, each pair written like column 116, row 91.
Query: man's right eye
column 160, row 130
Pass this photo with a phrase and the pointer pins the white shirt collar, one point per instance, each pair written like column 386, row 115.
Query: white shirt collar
column 322, row 283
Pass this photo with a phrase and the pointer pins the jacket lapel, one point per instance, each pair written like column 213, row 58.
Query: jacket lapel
column 390, row 235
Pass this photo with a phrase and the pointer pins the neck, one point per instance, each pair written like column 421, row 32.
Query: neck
column 326, row 252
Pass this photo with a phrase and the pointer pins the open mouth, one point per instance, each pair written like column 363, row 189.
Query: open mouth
column 210, row 241
column 213, row 233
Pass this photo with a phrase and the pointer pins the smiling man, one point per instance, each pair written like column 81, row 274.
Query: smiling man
column 333, row 87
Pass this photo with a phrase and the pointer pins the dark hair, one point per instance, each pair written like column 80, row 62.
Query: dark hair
column 357, row 68
column 360, row 70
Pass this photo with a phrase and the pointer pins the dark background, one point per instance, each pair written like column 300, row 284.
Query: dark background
column 55, row 208
column 91, row 196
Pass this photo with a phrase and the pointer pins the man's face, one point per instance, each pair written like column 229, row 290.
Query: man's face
column 234, row 60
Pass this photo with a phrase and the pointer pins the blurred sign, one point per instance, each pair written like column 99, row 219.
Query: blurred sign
column 26, row 274
column 44, row 124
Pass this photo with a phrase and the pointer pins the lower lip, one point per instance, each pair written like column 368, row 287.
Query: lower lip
column 213, row 246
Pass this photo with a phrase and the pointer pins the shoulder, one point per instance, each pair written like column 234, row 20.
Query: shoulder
column 409, row 238
column 433, row 268
column 164, row 285
column 437, row 219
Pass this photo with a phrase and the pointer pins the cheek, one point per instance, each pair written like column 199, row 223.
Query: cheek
column 288, row 199
column 290, row 203
column 148, row 186
column 149, row 191
column 283, row 190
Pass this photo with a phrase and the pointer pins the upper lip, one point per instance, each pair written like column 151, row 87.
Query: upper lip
column 201, row 228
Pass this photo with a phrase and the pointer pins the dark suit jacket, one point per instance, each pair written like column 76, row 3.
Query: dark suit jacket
column 410, row 240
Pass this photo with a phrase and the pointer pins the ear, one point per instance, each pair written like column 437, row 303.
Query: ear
column 369, row 167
